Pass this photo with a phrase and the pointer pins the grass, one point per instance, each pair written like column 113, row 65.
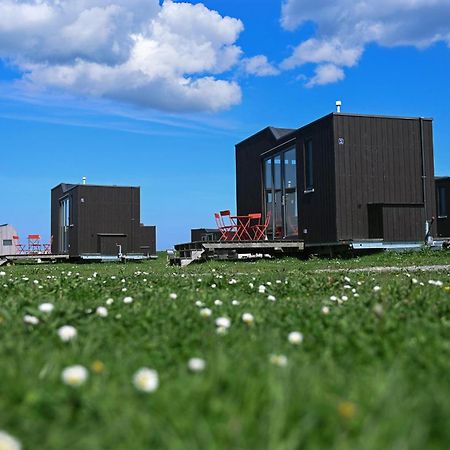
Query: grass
column 371, row 374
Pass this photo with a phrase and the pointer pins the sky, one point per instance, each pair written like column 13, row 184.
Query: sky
column 156, row 93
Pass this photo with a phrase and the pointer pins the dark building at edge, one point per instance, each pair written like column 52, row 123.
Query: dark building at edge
column 443, row 206
column 90, row 219
column 343, row 177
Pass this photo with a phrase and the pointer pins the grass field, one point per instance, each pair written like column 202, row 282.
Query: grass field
column 371, row 372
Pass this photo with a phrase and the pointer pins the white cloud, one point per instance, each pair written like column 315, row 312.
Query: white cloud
column 325, row 74
column 166, row 57
column 345, row 27
column 259, row 66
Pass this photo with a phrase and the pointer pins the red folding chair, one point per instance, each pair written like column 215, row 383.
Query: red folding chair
column 34, row 243
column 252, row 218
column 48, row 247
column 259, row 230
column 20, row 248
column 232, row 226
column 225, row 231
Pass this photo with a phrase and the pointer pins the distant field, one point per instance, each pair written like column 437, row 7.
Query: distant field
column 372, row 370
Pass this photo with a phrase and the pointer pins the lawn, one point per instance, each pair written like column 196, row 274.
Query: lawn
column 365, row 371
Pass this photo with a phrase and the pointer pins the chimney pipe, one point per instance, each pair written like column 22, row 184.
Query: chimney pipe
column 84, row 180
column 338, row 106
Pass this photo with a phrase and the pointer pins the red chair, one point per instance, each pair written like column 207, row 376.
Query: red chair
column 224, row 230
column 232, row 226
column 20, row 248
column 252, row 218
column 48, row 247
column 259, row 230
column 34, row 243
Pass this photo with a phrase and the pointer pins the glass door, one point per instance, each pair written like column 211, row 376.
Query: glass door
column 280, row 194
column 64, row 223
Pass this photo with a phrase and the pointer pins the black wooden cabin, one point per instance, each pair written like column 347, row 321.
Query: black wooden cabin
column 443, row 207
column 94, row 220
column 342, row 178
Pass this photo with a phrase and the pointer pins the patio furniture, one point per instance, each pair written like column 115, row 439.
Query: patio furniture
column 34, row 243
column 225, row 230
column 20, row 248
column 259, row 230
column 48, row 247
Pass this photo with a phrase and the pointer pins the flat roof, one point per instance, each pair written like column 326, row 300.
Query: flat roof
column 280, row 133
column 69, row 186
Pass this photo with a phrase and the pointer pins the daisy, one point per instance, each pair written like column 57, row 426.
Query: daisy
column 278, row 360
column 101, row 311
column 218, row 302
column 248, row 318
column 295, row 337
column 235, row 302
column 376, row 289
column 46, row 307
column 31, row 320
column 205, row 312
column 196, row 364
column 67, row 333
column 8, row 442
column 223, row 322
column 271, row 298
column 128, row 300
column 146, row 380
column 74, row 375
column 325, row 310
column 173, row 296
column 109, row 301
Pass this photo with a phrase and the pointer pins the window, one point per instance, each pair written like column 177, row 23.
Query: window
column 309, row 182
column 442, row 202
column 7, row 242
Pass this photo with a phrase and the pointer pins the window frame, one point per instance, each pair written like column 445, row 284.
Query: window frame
column 442, row 212
column 308, row 167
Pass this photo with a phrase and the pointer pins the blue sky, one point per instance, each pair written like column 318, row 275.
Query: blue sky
column 110, row 107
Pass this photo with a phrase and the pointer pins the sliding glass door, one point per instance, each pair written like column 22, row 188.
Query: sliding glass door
column 280, row 194
column 64, row 223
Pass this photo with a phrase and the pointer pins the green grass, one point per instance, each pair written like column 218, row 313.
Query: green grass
column 363, row 378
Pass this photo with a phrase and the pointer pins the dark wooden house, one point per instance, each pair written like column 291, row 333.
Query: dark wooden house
column 89, row 219
column 342, row 178
column 204, row 234
column 443, row 206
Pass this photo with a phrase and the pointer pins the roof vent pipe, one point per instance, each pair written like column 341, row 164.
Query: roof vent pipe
column 84, row 180
column 338, row 106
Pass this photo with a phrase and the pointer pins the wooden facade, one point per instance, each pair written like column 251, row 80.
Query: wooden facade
column 89, row 219
column 358, row 177
column 443, row 207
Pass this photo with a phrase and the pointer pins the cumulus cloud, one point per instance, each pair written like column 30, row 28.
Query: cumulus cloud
column 167, row 56
column 345, row 27
column 259, row 66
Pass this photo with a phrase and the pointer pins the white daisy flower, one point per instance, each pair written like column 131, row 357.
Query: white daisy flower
column 325, row 310
column 221, row 330
column 414, row 280
column 235, row 302
column 31, row 320
column 347, row 279
column 261, row 289
column 8, row 442
column 223, row 322
column 46, row 307
column 146, row 380
column 248, row 318
column 295, row 337
column 67, row 333
column 344, row 298
column 2, row 274
column 109, row 301
column 124, row 289
column 251, row 285
column 218, row 302
column 199, row 303
column 214, row 286
column 278, row 360
column 205, row 312
column 196, row 364
column 74, row 375
column 101, row 311
column 128, row 300
column 173, row 296
column 333, row 298
column 376, row 288
column 271, row 298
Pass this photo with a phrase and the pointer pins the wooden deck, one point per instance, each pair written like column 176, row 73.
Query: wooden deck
column 11, row 259
column 186, row 253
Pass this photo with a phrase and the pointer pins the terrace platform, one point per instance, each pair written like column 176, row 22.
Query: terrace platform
column 185, row 254
column 11, row 259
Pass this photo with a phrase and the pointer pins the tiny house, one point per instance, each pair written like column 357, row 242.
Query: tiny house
column 443, row 206
column 7, row 240
column 344, row 178
column 100, row 220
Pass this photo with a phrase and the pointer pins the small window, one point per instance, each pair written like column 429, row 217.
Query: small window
column 442, row 202
column 7, row 242
column 309, row 182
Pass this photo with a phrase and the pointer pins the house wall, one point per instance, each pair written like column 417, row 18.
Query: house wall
column 100, row 218
column 6, row 234
column 379, row 162
column 443, row 222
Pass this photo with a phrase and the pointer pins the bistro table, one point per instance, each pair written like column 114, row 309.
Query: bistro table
column 242, row 224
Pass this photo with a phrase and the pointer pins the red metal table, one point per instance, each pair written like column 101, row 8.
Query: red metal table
column 242, row 224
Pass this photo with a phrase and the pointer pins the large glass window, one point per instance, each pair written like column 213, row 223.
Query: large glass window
column 309, row 172
column 442, row 202
column 64, row 224
column 280, row 193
